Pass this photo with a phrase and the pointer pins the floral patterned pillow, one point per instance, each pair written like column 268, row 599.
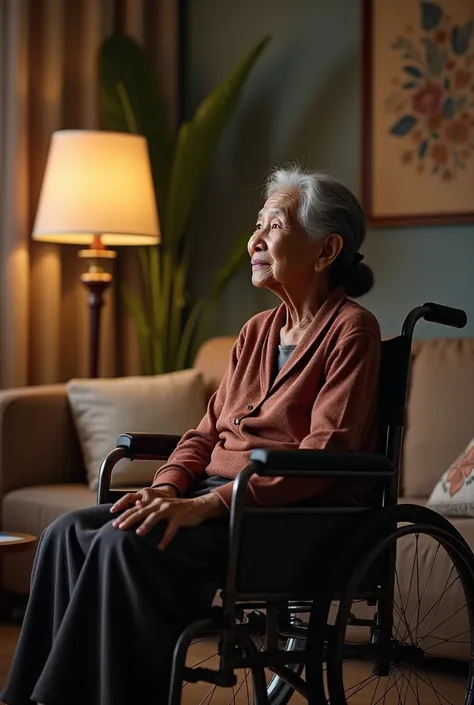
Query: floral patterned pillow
column 454, row 493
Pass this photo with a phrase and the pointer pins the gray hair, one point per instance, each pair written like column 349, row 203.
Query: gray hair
column 326, row 206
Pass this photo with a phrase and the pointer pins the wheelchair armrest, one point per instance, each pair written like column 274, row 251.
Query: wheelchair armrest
column 147, row 446
column 320, row 463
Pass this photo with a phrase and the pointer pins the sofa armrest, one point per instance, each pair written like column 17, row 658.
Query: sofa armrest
column 38, row 442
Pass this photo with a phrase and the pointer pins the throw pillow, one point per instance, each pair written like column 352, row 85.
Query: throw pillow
column 454, row 493
column 102, row 409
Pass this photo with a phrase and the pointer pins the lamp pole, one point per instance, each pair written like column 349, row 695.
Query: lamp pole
column 96, row 280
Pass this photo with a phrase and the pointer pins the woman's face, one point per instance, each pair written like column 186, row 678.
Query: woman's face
column 281, row 252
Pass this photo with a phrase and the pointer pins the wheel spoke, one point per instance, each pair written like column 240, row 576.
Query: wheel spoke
column 399, row 693
column 410, row 686
column 441, row 624
column 362, row 684
column 236, row 692
column 417, row 692
column 407, row 625
column 436, row 604
column 408, row 680
column 415, row 555
column 447, row 679
column 451, row 640
column 397, row 609
column 247, row 684
column 434, row 689
column 208, row 658
column 211, row 693
column 375, row 691
column 387, row 689
column 425, row 584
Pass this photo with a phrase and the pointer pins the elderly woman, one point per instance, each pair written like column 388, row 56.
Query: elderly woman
column 113, row 586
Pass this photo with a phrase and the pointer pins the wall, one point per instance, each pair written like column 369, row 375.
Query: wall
column 302, row 102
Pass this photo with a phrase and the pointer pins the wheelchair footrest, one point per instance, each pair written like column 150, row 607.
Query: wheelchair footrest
column 207, row 675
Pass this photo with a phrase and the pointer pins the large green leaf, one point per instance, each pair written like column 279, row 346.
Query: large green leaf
column 136, row 310
column 235, row 259
column 197, row 141
column 151, row 275
column 131, row 100
column 186, row 343
column 177, row 308
column 202, row 325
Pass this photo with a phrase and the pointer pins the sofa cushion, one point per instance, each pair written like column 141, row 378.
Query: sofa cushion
column 104, row 408
column 31, row 510
column 212, row 360
column 440, row 415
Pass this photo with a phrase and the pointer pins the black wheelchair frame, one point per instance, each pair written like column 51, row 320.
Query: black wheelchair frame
column 255, row 580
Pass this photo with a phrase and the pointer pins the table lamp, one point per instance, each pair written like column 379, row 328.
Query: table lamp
column 97, row 191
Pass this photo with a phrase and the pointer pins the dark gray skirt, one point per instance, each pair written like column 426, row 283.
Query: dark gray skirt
column 106, row 607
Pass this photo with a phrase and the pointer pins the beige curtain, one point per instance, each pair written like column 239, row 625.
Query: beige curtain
column 48, row 81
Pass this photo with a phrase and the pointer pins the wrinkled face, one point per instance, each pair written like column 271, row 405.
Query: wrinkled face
column 281, row 251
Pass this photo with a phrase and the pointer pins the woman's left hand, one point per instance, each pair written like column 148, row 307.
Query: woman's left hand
column 176, row 512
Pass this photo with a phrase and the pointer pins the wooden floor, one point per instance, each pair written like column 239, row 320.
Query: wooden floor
column 8, row 637
column 440, row 691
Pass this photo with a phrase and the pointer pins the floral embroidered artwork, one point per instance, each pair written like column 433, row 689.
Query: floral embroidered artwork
column 432, row 94
column 459, row 473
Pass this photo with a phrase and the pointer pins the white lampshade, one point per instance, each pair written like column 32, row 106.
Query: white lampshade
column 97, row 183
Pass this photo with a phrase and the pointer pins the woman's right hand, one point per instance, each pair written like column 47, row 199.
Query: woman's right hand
column 143, row 497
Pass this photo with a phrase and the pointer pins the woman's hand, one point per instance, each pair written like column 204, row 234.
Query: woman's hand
column 176, row 512
column 143, row 497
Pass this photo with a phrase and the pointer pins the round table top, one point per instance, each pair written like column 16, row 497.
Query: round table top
column 11, row 541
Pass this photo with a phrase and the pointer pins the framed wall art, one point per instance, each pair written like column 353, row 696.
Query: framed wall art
column 418, row 111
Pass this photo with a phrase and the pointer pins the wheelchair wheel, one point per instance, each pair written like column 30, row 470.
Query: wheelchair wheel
column 411, row 638
column 203, row 652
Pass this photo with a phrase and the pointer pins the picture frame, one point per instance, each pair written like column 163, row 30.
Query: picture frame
column 417, row 112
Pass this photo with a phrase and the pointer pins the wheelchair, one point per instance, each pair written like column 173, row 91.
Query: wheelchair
column 313, row 602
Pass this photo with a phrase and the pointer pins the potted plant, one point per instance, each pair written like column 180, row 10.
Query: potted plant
column 131, row 100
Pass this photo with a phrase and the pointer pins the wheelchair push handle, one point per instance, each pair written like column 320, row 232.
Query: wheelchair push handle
column 445, row 315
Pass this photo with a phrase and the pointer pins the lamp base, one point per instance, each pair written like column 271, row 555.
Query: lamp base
column 96, row 289
column 97, row 281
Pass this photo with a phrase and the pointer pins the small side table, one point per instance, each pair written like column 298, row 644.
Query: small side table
column 17, row 543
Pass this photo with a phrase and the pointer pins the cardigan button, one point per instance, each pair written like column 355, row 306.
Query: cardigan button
column 250, row 407
column 236, row 422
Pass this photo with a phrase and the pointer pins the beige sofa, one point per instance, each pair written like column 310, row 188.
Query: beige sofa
column 42, row 473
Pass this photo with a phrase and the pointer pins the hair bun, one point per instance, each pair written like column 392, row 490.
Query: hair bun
column 359, row 280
